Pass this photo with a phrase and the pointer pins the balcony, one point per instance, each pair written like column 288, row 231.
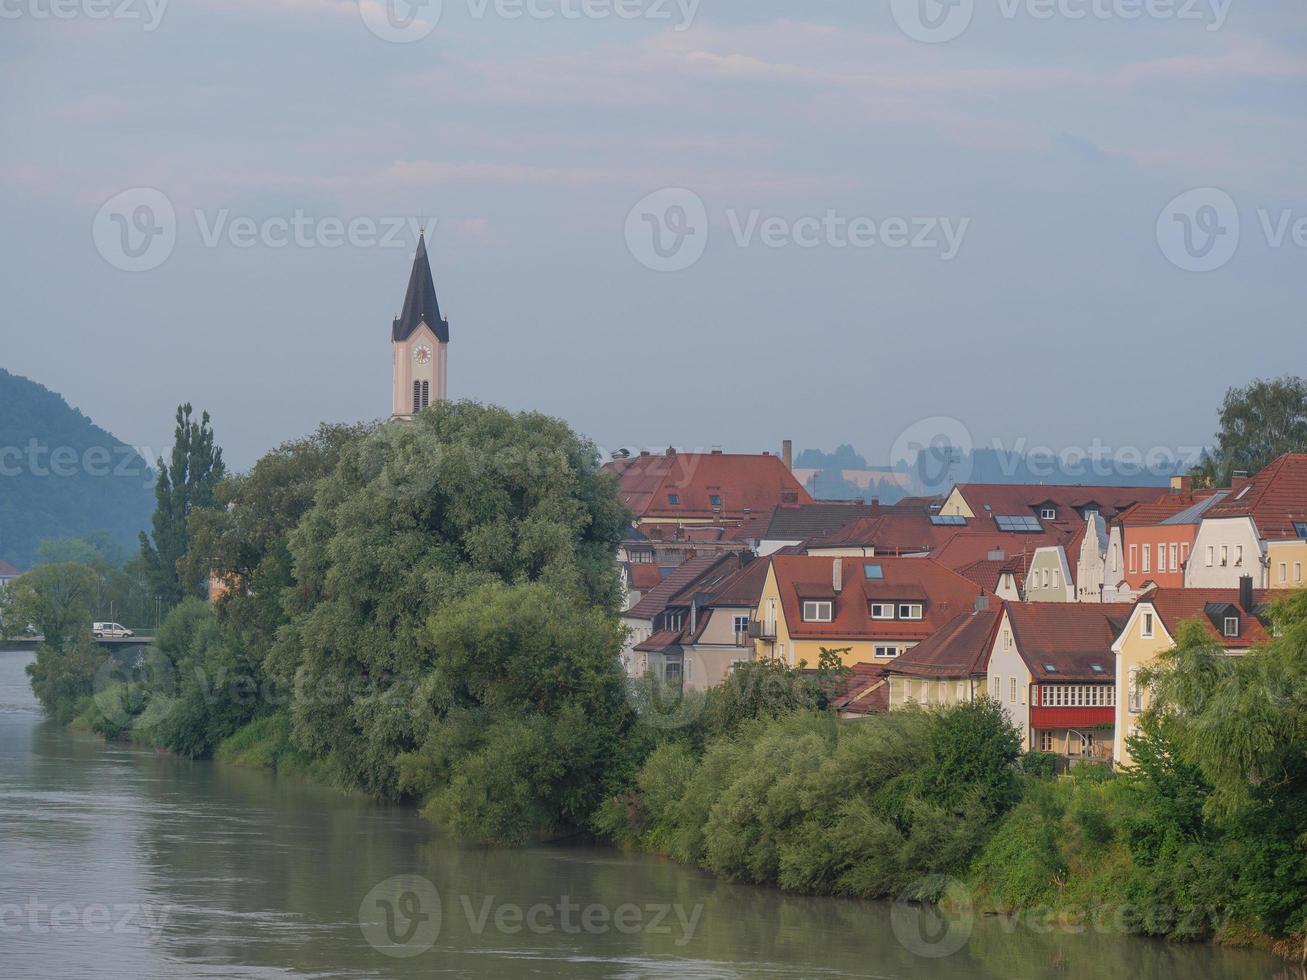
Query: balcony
column 760, row 630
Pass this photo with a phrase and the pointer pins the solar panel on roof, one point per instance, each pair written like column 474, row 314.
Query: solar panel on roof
column 1018, row 522
column 948, row 520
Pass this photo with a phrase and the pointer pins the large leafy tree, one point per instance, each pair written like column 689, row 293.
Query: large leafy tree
column 1241, row 722
column 186, row 483
column 1259, row 422
column 415, row 518
column 57, row 600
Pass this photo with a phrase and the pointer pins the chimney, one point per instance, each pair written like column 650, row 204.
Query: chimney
column 982, row 602
column 1239, row 480
column 837, row 575
column 1246, row 593
column 875, row 506
column 787, row 454
column 1181, row 484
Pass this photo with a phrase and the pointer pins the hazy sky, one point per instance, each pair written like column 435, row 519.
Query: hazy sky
column 977, row 227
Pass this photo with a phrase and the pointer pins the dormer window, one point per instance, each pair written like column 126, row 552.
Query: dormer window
column 910, row 610
column 1231, row 626
column 817, row 612
column 1048, row 513
column 881, row 610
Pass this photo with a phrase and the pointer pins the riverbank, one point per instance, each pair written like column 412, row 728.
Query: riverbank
column 247, row 875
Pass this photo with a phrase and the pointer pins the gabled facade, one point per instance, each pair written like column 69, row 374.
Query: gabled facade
column 1233, row 617
column 873, row 609
column 1051, row 668
column 7, row 573
column 1237, row 535
column 1152, row 542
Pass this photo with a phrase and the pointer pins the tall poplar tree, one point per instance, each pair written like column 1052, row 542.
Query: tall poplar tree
column 185, row 484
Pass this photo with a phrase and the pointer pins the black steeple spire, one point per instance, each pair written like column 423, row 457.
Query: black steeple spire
column 420, row 304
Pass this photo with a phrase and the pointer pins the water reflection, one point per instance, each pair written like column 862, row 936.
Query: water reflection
column 234, row 873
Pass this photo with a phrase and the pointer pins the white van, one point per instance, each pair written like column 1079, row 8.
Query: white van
column 110, row 631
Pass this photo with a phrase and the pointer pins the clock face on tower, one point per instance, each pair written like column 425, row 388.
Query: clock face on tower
column 422, row 354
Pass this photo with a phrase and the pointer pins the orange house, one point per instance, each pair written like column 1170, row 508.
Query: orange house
column 1157, row 537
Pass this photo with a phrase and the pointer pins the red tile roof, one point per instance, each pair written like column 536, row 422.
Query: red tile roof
column 1070, row 637
column 742, row 588
column 660, row 641
column 959, row 648
column 644, row 575
column 1148, row 513
column 1012, row 499
column 908, row 579
column 1276, row 498
column 866, row 690
column 896, row 533
column 680, row 579
column 967, row 547
column 7, row 570
column 745, row 484
column 987, row 572
column 1177, row 605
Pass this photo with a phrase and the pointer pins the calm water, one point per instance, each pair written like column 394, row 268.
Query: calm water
column 117, row 862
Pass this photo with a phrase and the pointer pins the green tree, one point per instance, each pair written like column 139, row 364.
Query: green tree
column 56, row 599
column 414, row 518
column 1259, row 422
column 185, row 484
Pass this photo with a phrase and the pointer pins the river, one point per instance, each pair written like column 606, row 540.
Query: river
column 123, row 862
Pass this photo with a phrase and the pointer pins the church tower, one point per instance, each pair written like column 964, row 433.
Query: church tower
column 419, row 341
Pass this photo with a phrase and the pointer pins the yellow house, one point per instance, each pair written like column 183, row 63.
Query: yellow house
column 873, row 609
column 1287, row 560
column 1230, row 615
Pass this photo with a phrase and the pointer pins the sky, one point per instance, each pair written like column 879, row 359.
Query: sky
column 1036, row 223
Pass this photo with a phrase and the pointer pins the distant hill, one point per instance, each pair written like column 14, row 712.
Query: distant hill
column 63, row 476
